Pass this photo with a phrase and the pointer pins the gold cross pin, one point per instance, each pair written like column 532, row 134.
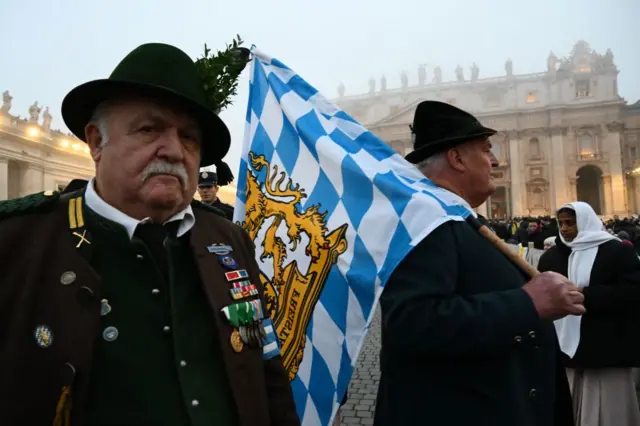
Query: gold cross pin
column 83, row 238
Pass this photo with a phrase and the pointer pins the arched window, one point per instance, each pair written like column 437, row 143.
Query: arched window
column 586, row 144
column 534, row 147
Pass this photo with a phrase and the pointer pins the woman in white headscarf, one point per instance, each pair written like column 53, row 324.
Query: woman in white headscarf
column 601, row 347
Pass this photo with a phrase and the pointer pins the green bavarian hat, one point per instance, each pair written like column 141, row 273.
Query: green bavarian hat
column 158, row 71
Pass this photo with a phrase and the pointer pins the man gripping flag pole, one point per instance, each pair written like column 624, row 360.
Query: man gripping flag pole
column 332, row 210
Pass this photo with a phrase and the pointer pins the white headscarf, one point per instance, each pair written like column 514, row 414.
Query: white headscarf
column 584, row 248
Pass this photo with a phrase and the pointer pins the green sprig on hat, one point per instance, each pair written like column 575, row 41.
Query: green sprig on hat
column 220, row 73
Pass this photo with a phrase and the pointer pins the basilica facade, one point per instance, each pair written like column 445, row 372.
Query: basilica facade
column 35, row 158
column 564, row 134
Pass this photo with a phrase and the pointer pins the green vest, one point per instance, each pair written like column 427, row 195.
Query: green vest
column 158, row 361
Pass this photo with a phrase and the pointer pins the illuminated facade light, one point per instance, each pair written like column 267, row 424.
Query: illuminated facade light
column 76, row 147
column 86, row 149
column 64, row 143
column 33, row 131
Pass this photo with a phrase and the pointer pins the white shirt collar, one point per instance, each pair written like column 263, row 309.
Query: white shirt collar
column 98, row 205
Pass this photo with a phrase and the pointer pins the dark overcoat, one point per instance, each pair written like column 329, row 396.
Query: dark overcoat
column 36, row 249
column 462, row 343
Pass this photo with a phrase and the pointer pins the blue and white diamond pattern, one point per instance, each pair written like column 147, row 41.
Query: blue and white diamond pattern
column 388, row 205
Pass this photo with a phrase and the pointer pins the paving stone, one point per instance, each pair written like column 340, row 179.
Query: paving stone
column 363, row 388
column 364, row 414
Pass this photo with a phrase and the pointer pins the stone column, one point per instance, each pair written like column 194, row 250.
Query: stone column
column 608, row 196
column 611, row 140
column 636, row 195
column 32, row 180
column 559, row 191
column 4, row 178
column 515, row 171
column 573, row 191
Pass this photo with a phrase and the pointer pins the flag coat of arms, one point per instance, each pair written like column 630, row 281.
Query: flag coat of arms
column 332, row 210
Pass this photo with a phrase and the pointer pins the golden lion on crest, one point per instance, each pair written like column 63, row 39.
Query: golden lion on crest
column 291, row 295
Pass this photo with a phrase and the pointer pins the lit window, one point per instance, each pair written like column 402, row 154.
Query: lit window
column 531, row 98
column 583, row 89
column 586, row 145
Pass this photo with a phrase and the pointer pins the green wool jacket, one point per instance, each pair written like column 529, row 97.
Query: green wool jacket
column 171, row 361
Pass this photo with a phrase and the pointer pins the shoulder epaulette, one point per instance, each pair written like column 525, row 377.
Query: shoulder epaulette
column 34, row 203
column 203, row 206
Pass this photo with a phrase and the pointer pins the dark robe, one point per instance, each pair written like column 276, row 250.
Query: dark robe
column 609, row 328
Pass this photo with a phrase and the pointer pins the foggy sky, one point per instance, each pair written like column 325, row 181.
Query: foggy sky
column 49, row 47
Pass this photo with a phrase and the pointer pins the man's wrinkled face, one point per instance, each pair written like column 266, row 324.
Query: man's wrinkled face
column 478, row 162
column 208, row 193
column 151, row 155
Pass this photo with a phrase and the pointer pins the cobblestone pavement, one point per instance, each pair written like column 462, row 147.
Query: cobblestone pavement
column 363, row 388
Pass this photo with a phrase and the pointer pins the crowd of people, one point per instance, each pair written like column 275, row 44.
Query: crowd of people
column 542, row 231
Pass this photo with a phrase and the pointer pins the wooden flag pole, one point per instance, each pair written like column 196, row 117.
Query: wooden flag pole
column 502, row 246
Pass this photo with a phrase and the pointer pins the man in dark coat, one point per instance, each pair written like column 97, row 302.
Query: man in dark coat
column 208, row 190
column 124, row 302
column 467, row 337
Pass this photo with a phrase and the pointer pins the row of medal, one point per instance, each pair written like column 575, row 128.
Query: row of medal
column 246, row 320
column 245, row 317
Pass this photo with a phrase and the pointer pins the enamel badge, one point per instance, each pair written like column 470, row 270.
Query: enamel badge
column 220, row 249
column 227, row 261
column 43, row 335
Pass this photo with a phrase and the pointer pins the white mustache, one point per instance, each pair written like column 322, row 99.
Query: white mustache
column 162, row 167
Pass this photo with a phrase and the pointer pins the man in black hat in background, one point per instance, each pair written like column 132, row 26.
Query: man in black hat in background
column 117, row 299
column 208, row 190
column 467, row 337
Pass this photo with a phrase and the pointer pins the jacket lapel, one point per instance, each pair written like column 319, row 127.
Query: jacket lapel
column 212, row 275
column 211, row 272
